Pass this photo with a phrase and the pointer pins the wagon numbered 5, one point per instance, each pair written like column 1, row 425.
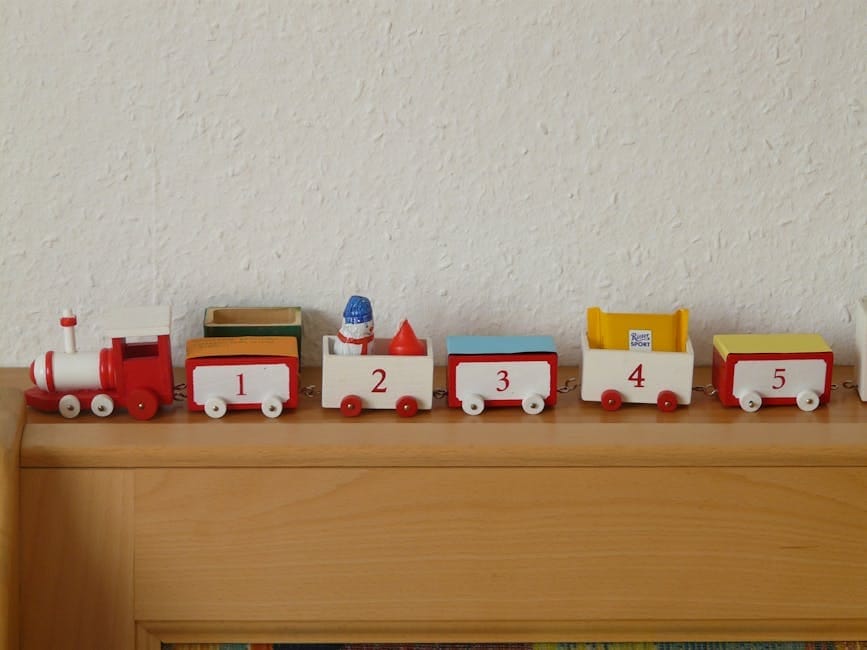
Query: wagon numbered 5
column 502, row 371
column 240, row 373
column 750, row 370
column 377, row 380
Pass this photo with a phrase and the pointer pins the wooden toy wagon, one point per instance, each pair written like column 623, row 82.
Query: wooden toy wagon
column 750, row 370
column 501, row 371
column 239, row 373
column 377, row 380
column 638, row 358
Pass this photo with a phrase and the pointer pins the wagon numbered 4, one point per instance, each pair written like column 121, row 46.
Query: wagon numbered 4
column 502, row 371
column 638, row 358
column 377, row 380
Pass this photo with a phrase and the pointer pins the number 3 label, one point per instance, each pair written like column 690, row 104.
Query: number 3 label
column 503, row 381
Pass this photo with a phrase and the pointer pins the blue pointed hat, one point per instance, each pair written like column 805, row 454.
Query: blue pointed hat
column 358, row 310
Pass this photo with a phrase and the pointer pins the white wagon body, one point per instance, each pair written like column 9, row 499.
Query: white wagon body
column 638, row 376
column 379, row 379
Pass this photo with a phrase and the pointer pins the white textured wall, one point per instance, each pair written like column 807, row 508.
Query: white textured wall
column 477, row 167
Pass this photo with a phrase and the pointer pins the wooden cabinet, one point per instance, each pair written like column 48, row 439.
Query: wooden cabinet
column 575, row 524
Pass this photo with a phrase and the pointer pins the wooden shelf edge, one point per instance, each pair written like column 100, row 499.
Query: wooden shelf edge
column 504, row 631
column 12, row 417
column 573, row 434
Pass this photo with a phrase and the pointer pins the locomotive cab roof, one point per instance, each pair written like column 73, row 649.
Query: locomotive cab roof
column 138, row 321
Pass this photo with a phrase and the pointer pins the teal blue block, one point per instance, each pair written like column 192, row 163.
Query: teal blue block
column 499, row 344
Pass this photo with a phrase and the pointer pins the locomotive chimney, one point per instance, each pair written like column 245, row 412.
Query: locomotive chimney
column 68, row 323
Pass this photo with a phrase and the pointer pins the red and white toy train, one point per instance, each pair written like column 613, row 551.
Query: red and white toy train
column 640, row 358
column 132, row 373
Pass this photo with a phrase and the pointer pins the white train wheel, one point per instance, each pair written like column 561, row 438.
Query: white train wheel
column 102, row 405
column 750, row 401
column 807, row 400
column 215, row 407
column 272, row 406
column 473, row 404
column 533, row 404
column 69, row 406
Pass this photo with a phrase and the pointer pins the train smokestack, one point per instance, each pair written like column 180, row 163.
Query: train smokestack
column 68, row 323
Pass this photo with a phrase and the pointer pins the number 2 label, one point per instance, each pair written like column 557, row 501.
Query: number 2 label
column 379, row 388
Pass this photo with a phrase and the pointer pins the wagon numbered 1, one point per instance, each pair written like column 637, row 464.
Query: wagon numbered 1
column 750, row 370
column 638, row 358
column 501, row 371
column 240, row 373
column 377, row 380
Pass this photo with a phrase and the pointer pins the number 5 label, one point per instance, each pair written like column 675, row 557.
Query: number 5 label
column 772, row 380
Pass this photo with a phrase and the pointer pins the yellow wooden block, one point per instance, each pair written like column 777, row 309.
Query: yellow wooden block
column 650, row 332
column 769, row 344
column 243, row 346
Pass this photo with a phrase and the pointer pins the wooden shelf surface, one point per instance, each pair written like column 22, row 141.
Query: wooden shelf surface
column 573, row 434
column 704, row 524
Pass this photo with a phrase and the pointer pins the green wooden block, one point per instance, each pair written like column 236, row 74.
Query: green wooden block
column 253, row 321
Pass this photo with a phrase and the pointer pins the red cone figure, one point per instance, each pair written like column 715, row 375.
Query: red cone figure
column 405, row 342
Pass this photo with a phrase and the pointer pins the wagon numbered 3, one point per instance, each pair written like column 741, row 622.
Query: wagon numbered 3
column 502, row 371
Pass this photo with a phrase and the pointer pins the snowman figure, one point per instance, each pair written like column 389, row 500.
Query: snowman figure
column 356, row 334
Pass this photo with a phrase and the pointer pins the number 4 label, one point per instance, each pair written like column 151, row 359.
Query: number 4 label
column 637, row 377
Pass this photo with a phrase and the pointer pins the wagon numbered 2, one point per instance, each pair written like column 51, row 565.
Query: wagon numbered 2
column 377, row 380
column 638, row 358
column 240, row 373
column 501, row 371
column 750, row 370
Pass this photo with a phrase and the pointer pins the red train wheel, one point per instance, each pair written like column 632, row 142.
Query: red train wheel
column 142, row 403
column 666, row 401
column 350, row 406
column 407, row 406
column 611, row 400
